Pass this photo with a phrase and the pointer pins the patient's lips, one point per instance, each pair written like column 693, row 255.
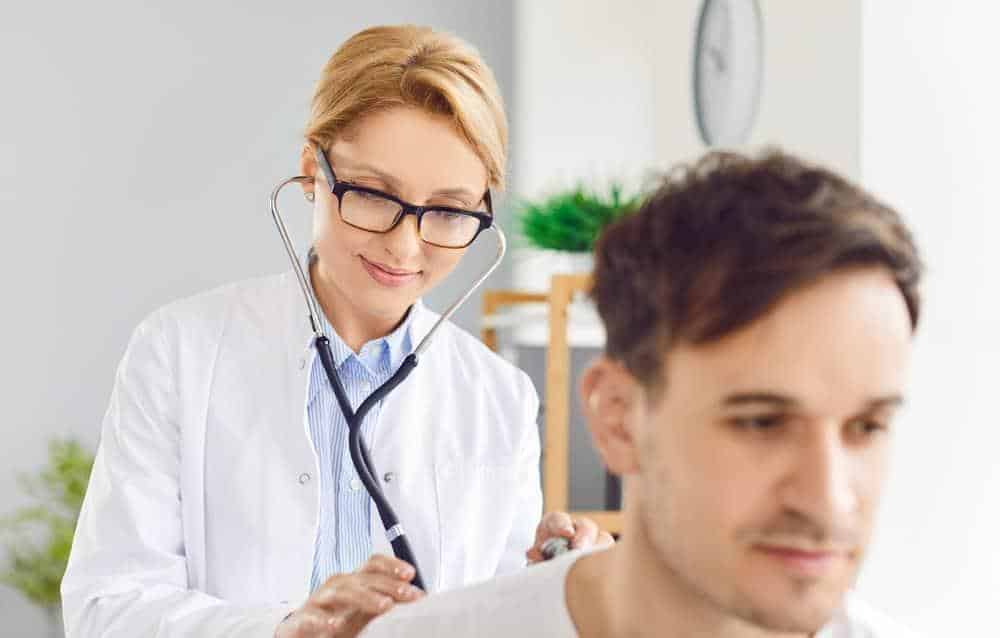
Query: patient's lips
column 809, row 563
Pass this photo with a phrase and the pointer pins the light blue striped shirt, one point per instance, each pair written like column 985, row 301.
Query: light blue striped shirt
column 343, row 540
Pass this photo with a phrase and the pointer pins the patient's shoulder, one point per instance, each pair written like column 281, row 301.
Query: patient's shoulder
column 528, row 603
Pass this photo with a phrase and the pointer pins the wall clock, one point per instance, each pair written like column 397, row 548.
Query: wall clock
column 728, row 70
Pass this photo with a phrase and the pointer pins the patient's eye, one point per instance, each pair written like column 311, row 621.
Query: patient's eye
column 865, row 429
column 759, row 422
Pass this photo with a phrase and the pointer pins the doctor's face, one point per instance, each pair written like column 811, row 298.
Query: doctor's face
column 417, row 157
column 761, row 461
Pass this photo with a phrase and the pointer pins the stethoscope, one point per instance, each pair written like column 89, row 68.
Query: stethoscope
column 359, row 451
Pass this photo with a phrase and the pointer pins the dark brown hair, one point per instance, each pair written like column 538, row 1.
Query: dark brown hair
column 722, row 241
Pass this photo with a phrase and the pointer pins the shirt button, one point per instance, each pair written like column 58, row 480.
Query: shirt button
column 304, row 478
column 389, row 477
column 355, row 484
column 366, row 387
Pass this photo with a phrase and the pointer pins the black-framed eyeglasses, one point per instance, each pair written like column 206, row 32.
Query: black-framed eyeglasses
column 379, row 212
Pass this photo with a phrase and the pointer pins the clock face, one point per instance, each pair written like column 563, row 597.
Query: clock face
column 728, row 69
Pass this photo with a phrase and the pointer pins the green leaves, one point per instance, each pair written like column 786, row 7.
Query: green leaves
column 573, row 220
column 38, row 537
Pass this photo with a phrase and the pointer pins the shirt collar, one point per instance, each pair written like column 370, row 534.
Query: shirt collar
column 398, row 343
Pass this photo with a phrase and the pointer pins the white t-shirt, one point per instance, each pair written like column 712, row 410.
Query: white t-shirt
column 532, row 604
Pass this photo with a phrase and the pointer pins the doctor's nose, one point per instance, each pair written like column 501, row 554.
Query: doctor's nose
column 403, row 241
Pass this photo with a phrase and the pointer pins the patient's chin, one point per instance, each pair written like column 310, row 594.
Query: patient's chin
column 784, row 600
column 805, row 615
column 789, row 621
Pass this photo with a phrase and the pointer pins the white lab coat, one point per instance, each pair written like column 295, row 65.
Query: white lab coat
column 202, row 510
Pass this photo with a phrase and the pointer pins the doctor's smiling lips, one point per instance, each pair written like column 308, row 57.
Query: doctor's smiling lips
column 388, row 276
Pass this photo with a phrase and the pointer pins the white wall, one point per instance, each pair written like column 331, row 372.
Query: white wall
column 138, row 144
column 584, row 79
column 930, row 145
column 605, row 93
column 810, row 99
column 604, row 88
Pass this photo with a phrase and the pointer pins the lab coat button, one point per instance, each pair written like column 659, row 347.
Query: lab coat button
column 304, row 478
column 302, row 363
column 389, row 477
column 355, row 485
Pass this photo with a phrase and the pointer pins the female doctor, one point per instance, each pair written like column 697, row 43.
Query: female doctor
column 223, row 500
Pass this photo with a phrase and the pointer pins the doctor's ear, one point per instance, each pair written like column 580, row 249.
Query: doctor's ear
column 610, row 399
column 307, row 166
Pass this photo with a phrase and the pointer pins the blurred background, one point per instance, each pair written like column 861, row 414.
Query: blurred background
column 138, row 145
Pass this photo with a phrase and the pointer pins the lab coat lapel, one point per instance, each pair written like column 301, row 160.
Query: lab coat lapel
column 300, row 354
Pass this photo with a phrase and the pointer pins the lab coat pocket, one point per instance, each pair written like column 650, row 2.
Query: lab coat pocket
column 476, row 505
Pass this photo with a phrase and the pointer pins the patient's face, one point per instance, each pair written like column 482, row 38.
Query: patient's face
column 762, row 461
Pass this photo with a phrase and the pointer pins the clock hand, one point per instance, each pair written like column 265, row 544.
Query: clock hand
column 720, row 62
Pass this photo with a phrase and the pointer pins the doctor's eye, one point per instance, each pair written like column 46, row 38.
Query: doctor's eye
column 369, row 197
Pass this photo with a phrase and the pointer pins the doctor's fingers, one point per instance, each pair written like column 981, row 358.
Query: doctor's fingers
column 370, row 593
column 586, row 534
column 554, row 524
column 390, row 566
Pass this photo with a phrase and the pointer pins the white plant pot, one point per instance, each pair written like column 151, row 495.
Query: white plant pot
column 534, row 268
column 532, row 272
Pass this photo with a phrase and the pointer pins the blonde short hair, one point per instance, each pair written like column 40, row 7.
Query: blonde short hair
column 406, row 65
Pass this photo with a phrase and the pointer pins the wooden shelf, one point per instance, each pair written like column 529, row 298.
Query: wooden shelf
column 555, row 485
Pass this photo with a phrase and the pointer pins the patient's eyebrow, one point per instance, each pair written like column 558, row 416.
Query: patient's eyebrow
column 778, row 400
column 773, row 399
column 888, row 401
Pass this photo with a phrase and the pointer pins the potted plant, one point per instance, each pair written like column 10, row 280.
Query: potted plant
column 571, row 221
column 38, row 537
column 557, row 234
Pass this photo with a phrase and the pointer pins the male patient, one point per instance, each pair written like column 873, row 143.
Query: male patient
column 759, row 317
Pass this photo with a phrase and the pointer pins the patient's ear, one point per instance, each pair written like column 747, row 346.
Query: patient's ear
column 611, row 398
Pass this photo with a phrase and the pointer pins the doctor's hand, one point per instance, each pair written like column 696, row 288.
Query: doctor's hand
column 582, row 533
column 346, row 603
